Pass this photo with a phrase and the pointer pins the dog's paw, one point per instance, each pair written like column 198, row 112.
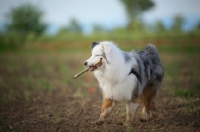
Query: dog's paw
column 144, row 116
column 99, row 122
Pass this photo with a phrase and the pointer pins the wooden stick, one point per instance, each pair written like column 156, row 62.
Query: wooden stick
column 80, row 73
column 86, row 69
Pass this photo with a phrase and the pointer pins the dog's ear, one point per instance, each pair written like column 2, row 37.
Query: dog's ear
column 94, row 44
column 107, row 48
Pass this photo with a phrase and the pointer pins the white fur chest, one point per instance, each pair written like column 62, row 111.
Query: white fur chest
column 118, row 90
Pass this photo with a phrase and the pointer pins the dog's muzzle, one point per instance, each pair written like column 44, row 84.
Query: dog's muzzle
column 95, row 65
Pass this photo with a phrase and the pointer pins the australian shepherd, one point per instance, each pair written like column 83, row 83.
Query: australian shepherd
column 126, row 76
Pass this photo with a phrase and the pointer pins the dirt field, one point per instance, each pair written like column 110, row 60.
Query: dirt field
column 37, row 93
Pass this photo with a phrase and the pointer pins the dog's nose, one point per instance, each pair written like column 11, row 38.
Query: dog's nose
column 85, row 63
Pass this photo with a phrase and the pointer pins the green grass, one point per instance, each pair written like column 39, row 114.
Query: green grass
column 27, row 81
column 56, row 117
column 186, row 106
column 79, row 93
column 129, row 129
column 26, row 96
column 185, row 92
column 43, row 84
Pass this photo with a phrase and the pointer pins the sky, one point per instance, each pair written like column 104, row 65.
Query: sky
column 108, row 13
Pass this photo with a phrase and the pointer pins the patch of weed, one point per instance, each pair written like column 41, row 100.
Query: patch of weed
column 185, row 92
column 128, row 129
column 56, row 117
column 44, row 84
column 34, row 67
column 27, row 81
column 79, row 93
column 191, row 106
column 26, row 96
column 4, row 98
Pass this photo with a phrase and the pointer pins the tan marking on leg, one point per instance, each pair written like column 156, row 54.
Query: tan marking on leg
column 147, row 96
column 145, row 114
column 107, row 107
column 107, row 103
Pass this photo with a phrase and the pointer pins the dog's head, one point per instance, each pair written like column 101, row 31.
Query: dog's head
column 98, row 59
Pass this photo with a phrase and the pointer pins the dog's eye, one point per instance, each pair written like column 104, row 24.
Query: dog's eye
column 97, row 55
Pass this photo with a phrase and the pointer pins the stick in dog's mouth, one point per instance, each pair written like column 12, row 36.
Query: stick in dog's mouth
column 95, row 65
column 91, row 68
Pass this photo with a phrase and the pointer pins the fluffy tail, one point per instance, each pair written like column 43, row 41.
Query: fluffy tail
column 151, row 48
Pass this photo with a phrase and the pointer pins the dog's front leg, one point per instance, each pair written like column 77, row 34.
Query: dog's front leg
column 130, row 111
column 107, row 107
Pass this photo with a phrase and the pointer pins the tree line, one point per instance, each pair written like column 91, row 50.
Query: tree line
column 27, row 18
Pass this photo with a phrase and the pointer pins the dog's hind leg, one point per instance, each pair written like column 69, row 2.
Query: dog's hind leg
column 152, row 109
column 130, row 111
column 107, row 107
column 147, row 97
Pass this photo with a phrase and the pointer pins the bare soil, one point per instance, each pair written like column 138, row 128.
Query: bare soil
column 54, row 111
